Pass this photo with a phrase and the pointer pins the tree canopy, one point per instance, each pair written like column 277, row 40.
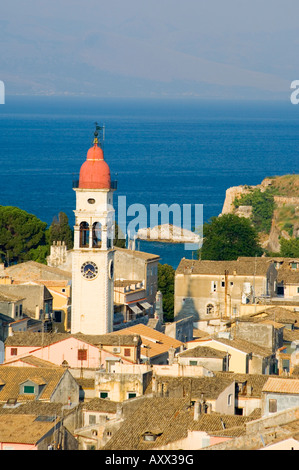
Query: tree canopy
column 60, row 230
column 227, row 237
column 21, row 234
column 119, row 239
column 289, row 248
column 263, row 205
column 166, row 275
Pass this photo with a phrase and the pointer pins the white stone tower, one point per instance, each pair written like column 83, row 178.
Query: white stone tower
column 93, row 254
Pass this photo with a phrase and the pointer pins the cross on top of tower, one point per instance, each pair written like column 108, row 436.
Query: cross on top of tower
column 96, row 133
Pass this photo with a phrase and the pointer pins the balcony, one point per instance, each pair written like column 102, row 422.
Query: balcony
column 75, row 184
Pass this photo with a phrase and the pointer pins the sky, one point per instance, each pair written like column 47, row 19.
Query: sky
column 214, row 49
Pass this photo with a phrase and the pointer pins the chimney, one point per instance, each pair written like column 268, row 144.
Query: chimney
column 154, row 384
column 119, row 411
column 198, row 410
column 171, row 356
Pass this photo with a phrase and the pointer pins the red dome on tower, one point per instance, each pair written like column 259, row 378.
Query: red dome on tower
column 95, row 172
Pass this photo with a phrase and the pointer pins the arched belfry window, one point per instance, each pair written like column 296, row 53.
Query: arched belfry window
column 84, row 235
column 97, row 235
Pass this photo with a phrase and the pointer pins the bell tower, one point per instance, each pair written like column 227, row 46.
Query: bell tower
column 93, row 253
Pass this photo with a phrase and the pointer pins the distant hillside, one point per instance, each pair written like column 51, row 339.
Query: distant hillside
column 272, row 206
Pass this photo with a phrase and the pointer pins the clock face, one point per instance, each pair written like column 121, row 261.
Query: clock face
column 89, row 270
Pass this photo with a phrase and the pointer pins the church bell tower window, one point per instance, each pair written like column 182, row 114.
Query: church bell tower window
column 84, row 235
column 97, row 235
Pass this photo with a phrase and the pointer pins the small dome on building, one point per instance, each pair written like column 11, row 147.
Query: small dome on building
column 95, row 172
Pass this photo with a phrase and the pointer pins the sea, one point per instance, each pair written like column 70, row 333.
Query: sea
column 182, row 152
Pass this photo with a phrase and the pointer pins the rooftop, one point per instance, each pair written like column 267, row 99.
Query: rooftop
column 154, row 342
column 279, row 385
column 203, row 351
column 248, row 267
column 25, row 429
column 137, row 254
column 31, row 270
column 13, row 377
column 25, row 338
column 169, row 420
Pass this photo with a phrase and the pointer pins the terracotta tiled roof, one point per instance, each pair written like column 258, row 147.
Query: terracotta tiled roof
column 86, row 384
column 161, row 416
column 208, row 388
column 279, row 385
column 287, row 276
column 7, row 297
column 31, row 270
column 39, row 340
column 38, row 408
column 254, row 381
column 13, row 377
column 203, row 351
column 169, row 419
column 138, row 254
column 250, row 267
column 100, row 405
column 32, row 361
column 217, row 422
column 282, row 315
column 246, row 346
column 153, row 342
column 23, row 428
column 26, row 338
column 199, row 333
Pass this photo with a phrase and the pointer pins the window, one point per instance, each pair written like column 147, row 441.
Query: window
column 104, row 394
column 90, row 447
column 127, row 352
column 231, row 283
column 222, row 283
column 213, row 286
column 272, row 405
column 13, row 351
column 192, row 363
column 97, row 235
column 57, row 316
column 92, row 419
column 294, row 265
column 82, row 354
column 84, row 235
column 132, row 395
column 29, row 389
column 16, row 310
column 297, row 290
column 210, row 309
column 230, row 399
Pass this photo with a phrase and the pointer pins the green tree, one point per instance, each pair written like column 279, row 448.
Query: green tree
column 119, row 240
column 229, row 236
column 263, row 205
column 166, row 275
column 20, row 234
column 289, row 248
column 60, row 230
